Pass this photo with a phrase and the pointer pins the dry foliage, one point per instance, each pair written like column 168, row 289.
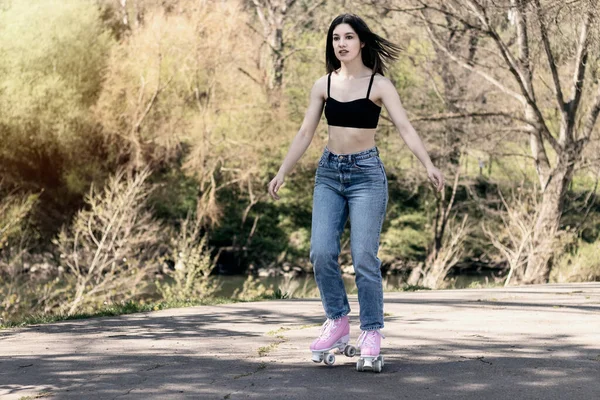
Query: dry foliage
column 541, row 55
column 515, row 240
column 14, row 210
column 176, row 88
column 432, row 275
column 192, row 265
column 111, row 249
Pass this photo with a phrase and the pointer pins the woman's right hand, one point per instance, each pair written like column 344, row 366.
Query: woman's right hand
column 274, row 186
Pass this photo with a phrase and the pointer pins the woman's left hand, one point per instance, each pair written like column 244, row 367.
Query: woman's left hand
column 436, row 177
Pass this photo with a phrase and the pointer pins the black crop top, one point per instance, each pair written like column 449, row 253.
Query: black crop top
column 359, row 113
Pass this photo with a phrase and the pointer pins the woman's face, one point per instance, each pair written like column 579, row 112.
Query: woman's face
column 346, row 43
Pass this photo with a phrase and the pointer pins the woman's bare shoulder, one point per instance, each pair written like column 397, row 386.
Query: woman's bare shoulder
column 320, row 86
column 383, row 84
column 322, row 80
column 382, row 88
column 381, row 79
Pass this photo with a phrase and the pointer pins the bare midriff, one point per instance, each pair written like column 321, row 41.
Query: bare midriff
column 343, row 140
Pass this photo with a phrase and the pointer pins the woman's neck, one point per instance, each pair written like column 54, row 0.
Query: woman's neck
column 354, row 69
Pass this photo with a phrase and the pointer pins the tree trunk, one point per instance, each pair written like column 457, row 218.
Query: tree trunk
column 124, row 16
column 452, row 141
column 541, row 257
column 277, row 55
column 273, row 16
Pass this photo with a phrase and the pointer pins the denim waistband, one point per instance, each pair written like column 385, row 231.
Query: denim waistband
column 372, row 152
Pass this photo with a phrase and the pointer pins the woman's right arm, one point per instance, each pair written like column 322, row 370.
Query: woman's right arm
column 303, row 138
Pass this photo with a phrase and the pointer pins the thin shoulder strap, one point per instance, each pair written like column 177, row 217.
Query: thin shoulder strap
column 370, row 83
column 328, row 84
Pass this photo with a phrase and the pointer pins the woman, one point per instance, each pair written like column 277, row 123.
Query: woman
column 350, row 180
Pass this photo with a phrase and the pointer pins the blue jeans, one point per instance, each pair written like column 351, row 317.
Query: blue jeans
column 354, row 186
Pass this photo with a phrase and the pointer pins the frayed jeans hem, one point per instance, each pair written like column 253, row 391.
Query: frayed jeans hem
column 373, row 328
column 341, row 315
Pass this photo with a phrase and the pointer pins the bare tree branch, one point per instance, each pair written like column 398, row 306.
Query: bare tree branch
column 591, row 119
column 254, row 29
column 243, row 71
column 475, row 70
column 261, row 16
column 306, row 14
column 499, row 154
column 545, row 40
column 526, row 89
column 289, row 53
column 451, row 15
column 580, row 66
column 441, row 117
column 452, row 198
column 423, row 7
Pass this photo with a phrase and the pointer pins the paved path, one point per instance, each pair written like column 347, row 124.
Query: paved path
column 529, row 342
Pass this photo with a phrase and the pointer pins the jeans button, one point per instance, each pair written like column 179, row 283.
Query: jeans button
column 340, row 157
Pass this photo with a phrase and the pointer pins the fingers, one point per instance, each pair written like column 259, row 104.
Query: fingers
column 440, row 182
column 276, row 189
column 437, row 179
column 272, row 190
column 274, row 186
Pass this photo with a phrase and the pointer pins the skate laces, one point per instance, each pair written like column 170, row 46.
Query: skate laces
column 368, row 338
column 327, row 329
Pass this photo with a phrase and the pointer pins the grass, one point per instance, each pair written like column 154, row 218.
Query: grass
column 309, row 326
column 264, row 350
column 37, row 396
column 407, row 288
column 261, row 366
column 277, row 295
column 129, row 307
column 132, row 307
column 413, row 288
column 277, row 332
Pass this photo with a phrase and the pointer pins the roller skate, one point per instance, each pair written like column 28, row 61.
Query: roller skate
column 369, row 344
column 335, row 334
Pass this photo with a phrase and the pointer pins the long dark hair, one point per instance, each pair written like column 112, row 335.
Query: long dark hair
column 376, row 52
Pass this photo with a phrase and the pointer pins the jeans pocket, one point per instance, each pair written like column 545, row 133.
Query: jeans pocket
column 322, row 161
column 383, row 170
column 367, row 163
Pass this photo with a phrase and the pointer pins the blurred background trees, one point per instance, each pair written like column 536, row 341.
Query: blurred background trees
column 157, row 126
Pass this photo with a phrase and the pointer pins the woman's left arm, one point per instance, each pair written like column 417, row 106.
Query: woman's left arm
column 393, row 105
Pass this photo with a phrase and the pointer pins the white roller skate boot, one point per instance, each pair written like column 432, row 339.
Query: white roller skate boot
column 335, row 334
column 369, row 344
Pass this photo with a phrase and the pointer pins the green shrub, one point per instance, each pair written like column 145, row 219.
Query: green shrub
column 580, row 265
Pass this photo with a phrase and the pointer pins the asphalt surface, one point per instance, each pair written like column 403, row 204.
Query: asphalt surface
column 527, row 342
